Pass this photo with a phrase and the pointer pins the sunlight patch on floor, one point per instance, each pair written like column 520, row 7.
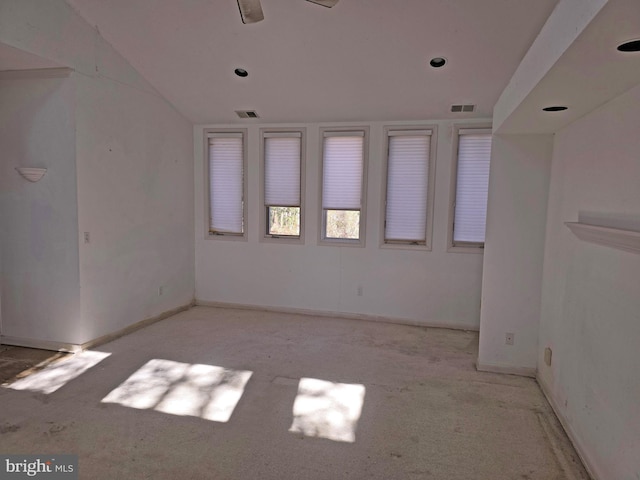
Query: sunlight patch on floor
column 327, row 410
column 58, row 374
column 204, row 391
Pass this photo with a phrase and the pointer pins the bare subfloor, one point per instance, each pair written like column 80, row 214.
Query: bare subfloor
column 325, row 399
column 16, row 362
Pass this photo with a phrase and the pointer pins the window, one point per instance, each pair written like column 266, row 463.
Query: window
column 343, row 185
column 409, row 187
column 471, row 174
column 283, row 178
column 227, row 183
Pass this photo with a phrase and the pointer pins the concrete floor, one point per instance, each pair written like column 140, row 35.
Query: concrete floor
column 426, row 412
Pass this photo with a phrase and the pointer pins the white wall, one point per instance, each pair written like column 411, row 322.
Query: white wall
column 135, row 198
column 135, row 175
column 423, row 287
column 38, row 221
column 591, row 294
column 514, row 249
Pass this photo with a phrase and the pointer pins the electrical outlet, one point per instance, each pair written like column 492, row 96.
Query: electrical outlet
column 359, row 290
column 160, row 290
column 509, row 338
column 87, row 237
column 547, row 356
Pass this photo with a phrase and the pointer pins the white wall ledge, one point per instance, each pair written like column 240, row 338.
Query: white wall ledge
column 627, row 240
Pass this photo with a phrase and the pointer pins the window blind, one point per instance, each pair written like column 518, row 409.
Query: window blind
column 407, row 180
column 474, row 155
column 226, row 179
column 342, row 166
column 282, row 170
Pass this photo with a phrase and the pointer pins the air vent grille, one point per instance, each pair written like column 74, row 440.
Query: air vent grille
column 463, row 108
column 247, row 114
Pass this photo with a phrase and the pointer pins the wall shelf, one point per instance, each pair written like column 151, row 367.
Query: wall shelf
column 627, row 240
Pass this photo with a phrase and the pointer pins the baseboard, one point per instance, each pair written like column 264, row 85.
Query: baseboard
column 346, row 315
column 40, row 344
column 73, row 348
column 586, row 461
column 506, row 369
column 136, row 326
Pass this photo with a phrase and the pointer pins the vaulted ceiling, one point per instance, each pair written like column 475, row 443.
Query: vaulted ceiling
column 15, row 59
column 362, row 60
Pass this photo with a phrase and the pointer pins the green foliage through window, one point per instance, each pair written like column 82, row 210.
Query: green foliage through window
column 343, row 224
column 284, row 221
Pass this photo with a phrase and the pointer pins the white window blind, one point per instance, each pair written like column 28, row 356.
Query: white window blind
column 474, row 155
column 343, row 163
column 282, row 169
column 226, row 178
column 407, row 181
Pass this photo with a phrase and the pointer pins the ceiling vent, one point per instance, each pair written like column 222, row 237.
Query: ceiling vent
column 463, row 108
column 247, row 114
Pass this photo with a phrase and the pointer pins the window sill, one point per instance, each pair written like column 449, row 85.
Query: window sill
column 226, row 237
column 275, row 239
column 337, row 242
column 406, row 246
column 465, row 249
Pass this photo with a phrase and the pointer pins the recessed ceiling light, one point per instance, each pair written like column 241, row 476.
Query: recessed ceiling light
column 555, row 108
column 630, row 46
column 437, row 62
column 241, row 72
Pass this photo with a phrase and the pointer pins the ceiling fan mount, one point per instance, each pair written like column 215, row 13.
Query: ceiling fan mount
column 251, row 10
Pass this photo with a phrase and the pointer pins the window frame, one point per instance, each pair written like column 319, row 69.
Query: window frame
column 461, row 247
column 431, row 182
column 360, row 130
column 264, row 222
column 210, row 234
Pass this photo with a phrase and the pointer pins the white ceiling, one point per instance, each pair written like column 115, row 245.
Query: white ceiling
column 588, row 74
column 362, row 60
column 16, row 59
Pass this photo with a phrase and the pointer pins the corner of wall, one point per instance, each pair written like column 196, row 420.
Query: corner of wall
column 514, row 251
